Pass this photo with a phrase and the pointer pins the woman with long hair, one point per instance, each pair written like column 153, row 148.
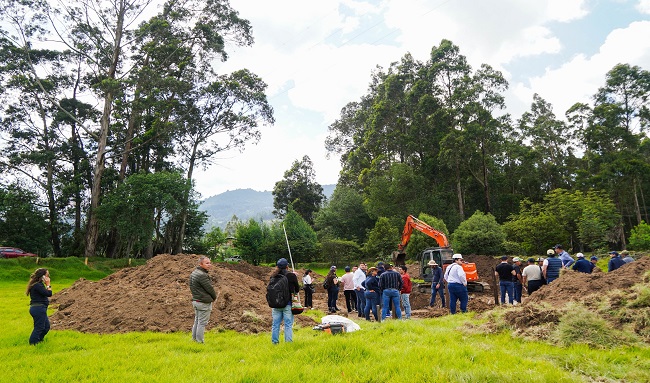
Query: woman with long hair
column 332, row 282
column 39, row 291
column 307, row 285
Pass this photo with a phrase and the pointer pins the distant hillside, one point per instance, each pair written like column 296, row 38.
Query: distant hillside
column 245, row 204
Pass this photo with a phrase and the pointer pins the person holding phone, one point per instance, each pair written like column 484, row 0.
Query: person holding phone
column 39, row 291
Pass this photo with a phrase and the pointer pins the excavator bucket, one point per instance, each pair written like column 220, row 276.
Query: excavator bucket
column 399, row 259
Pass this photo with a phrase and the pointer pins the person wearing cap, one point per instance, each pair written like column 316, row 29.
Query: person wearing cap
column 625, row 255
column 563, row 256
column 532, row 276
column 284, row 314
column 506, row 273
column 457, row 284
column 405, row 292
column 390, row 284
column 359, row 277
column 437, row 285
column 593, row 260
column 518, row 280
column 551, row 267
column 582, row 265
column 203, row 295
column 308, row 286
column 615, row 261
column 332, row 282
column 348, row 290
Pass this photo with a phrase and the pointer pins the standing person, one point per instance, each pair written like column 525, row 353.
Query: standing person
column 405, row 292
column 203, row 295
column 371, row 293
column 437, row 285
column 457, row 284
column 506, row 272
column 615, row 262
column 563, row 256
column 625, row 255
column 582, row 265
column 532, row 275
column 332, row 282
column 358, row 278
column 390, row 284
column 39, row 291
column 284, row 314
column 551, row 267
column 348, row 290
column 517, row 280
column 308, row 286
column 593, row 260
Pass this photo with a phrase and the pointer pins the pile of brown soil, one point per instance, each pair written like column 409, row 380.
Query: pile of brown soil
column 156, row 297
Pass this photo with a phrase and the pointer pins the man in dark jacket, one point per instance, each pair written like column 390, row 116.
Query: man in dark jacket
column 615, row 262
column 582, row 265
column 551, row 267
column 203, row 295
column 284, row 314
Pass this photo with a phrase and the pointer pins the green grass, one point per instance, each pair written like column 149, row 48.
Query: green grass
column 432, row 350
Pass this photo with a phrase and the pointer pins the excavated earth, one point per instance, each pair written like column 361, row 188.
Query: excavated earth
column 156, row 296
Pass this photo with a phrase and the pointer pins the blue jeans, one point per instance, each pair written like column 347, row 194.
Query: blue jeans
column 439, row 291
column 201, row 317
column 41, row 323
column 332, row 297
column 278, row 316
column 406, row 302
column 519, row 289
column 390, row 296
column 509, row 287
column 372, row 300
column 361, row 302
column 457, row 292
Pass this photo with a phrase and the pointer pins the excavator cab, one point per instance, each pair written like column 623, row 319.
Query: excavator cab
column 442, row 256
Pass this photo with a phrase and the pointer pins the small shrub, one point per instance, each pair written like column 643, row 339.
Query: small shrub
column 640, row 237
column 479, row 234
column 642, row 298
column 579, row 325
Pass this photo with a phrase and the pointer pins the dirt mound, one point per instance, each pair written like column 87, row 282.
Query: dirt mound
column 156, row 297
column 575, row 286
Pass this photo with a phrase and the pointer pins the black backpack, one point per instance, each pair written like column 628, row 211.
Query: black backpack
column 277, row 292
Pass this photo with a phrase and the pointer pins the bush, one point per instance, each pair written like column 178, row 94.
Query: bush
column 640, row 237
column 336, row 250
column 579, row 325
column 479, row 234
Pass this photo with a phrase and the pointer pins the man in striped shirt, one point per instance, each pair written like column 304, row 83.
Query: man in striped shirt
column 390, row 283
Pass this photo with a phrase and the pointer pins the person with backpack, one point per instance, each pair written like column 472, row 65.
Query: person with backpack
column 279, row 291
column 331, row 284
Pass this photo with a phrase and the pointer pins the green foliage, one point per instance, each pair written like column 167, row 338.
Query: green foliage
column 299, row 190
column 214, row 240
column 640, row 237
column 382, row 240
column 302, row 238
column 336, row 251
column 580, row 325
column 479, row 234
column 344, row 216
column 250, row 241
column 22, row 225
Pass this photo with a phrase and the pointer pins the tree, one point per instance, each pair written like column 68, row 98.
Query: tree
column 302, row 238
column 22, row 224
column 299, row 190
column 344, row 216
column 479, row 234
column 250, row 241
column 640, row 237
column 382, row 240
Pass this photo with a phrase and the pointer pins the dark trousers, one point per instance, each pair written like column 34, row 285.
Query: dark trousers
column 308, row 296
column 361, row 301
column 518, row 291
column 457, row 292
column 332, row 297
column 350, row 299
column 534, row 286
column 440, row 291
column 41, row 323
column 372, row 299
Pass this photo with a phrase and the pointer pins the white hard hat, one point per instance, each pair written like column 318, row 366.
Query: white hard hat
column 456, row 256
column 580, row 255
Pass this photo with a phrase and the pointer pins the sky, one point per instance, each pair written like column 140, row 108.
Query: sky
column 317, row 56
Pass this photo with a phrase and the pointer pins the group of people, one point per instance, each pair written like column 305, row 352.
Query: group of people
column 513, row 279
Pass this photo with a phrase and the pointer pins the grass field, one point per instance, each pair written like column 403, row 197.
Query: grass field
column 446, row 349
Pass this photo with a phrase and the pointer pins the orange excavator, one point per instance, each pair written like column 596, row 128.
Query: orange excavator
column 441, row 254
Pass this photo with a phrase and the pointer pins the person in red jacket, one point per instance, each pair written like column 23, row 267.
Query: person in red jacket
column 405, row 292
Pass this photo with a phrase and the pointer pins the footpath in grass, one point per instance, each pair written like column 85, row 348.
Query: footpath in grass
column 400, row 351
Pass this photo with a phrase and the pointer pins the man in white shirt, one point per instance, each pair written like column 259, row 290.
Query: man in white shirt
column 457, row 284
column 358, row 277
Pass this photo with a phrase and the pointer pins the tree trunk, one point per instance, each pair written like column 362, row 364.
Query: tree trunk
column 459, row 193
column 637, row 209
column 181, row 235
column 486, row 186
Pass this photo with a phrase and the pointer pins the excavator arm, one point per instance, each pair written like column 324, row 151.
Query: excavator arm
column 414, row 223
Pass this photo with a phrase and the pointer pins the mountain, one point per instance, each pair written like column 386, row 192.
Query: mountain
column 245, row 204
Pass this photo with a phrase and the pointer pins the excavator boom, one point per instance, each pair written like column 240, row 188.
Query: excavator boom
column 414, row 223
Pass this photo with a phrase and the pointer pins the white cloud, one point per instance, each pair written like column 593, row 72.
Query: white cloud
column 643, row 6
column 580, row 78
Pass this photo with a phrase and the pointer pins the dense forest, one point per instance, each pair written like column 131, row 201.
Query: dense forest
column 102, row 130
